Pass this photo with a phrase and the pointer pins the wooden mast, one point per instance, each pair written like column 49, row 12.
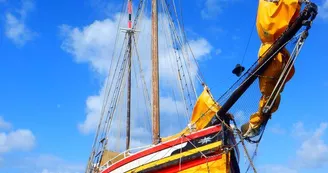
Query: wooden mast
column 155, row 76
column 128, row 118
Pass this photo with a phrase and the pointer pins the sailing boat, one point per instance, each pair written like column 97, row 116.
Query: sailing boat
column 209, row 142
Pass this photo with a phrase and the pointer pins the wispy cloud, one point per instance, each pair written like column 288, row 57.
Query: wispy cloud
column 4, row 125
column 313, row 152
column 323, row 10
column 43, row 163
column 211, row 9
column 277, row 129
column 276, row 169
column 105, row 7
column 15, row 23
column 218, row 51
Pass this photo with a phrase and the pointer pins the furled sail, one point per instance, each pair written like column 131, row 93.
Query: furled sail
column 273, row 20
column 204, row 110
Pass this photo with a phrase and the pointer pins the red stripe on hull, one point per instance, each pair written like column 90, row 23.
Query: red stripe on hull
column 162, row 146
column 190, row 164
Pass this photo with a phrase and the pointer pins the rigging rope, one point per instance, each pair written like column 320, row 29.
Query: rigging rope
column 184, row 41
column 93, row 152
column 179, row 82
column 179, row 79
column 278, row 86
column 96, row 146
column 176, row 44
column 145, row 91
column 249, row 40
column 199, row 74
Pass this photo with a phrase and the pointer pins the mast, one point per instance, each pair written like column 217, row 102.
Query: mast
column 155, row 76
column 128, row 118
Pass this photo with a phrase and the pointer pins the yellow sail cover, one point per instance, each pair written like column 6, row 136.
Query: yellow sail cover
column 273, row 18
column 204, row 110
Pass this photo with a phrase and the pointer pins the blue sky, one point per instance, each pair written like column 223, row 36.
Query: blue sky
column 51, row 81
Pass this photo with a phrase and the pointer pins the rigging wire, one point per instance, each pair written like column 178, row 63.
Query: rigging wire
column 180, row 74
column 176, row 44
column 249, row 40
column 279, row 85
column 109, row 118
column 184, row 48
column 120, row 121
column 169, row 46
column 179, row 82
column 137, row 103
column 176, row 107
column 93, row 152
column 145, row 90
column 108, row 90
column 199, row 74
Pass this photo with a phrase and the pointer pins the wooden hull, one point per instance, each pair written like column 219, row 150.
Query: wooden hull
column 195, row 152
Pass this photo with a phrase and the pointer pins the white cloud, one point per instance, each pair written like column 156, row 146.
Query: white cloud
column 15, row 140
column 313, row 152
column 15, row 24
column 299, row 131
column 93, row 105
column 276, row 169
column 45, row 163
column 323, row 10
column 21, row 140
column 172, row 106
column 94, row 45
column 277, row 129
column 218, row 51
column 212, row 9
column 4, row 125
column 200, row 47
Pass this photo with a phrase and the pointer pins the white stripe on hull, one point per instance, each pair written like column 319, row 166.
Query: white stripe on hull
column 149, row 158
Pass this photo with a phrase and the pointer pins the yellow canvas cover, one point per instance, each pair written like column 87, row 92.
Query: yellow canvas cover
column 273, row 18
column 204, row 110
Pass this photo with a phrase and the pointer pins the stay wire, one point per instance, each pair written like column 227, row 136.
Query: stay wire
column 249, row 40
column 179, row 81
column 177, row 43
column 105, row 101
